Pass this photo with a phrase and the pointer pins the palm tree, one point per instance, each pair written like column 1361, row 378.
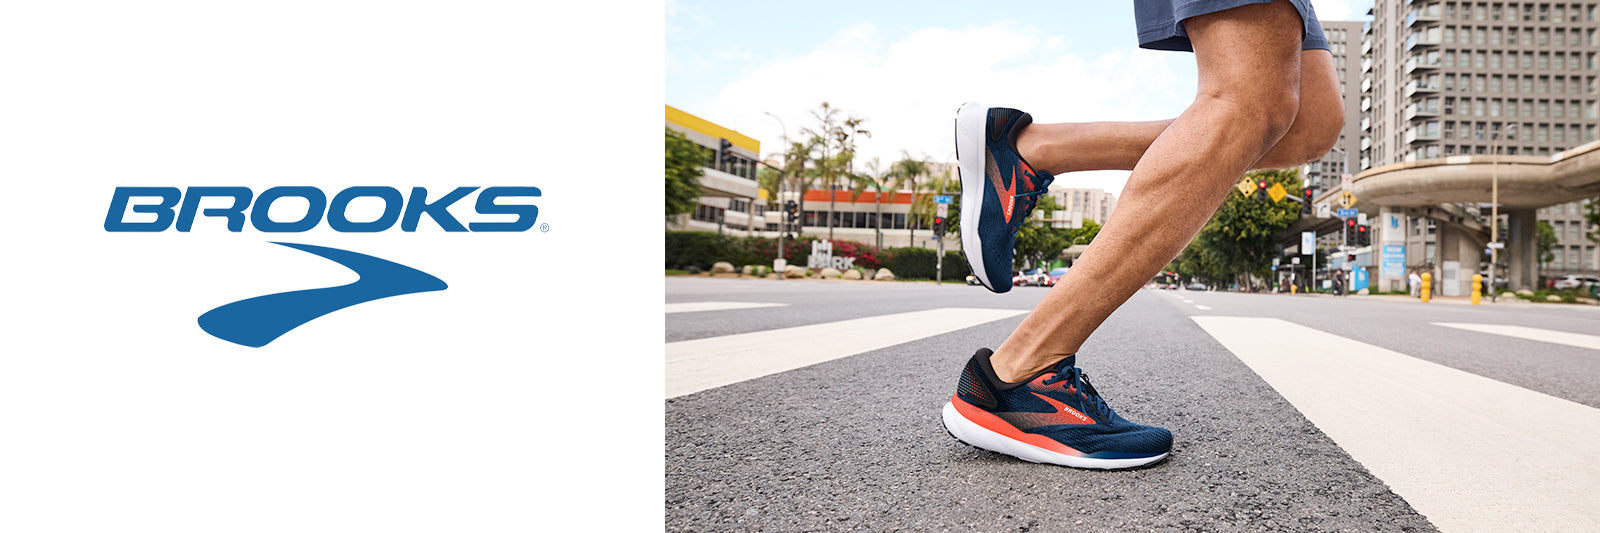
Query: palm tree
column 794, row 167
column 907, row 170
column 875, row 177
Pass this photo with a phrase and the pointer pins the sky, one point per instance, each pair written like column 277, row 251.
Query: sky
column 906, row 67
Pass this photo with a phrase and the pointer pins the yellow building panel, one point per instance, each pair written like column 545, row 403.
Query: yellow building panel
column 677, row 116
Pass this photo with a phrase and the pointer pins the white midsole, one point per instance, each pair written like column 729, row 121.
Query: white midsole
column 970, row 122
column 971, row 433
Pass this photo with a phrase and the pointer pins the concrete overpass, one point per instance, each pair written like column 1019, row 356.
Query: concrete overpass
column 1448, row 190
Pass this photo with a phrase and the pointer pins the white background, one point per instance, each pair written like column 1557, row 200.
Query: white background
column 526, row 396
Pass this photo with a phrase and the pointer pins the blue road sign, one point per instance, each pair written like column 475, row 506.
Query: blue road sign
column 942, row 199
column 1348, row 212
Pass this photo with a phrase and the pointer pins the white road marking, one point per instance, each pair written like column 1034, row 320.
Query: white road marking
column 700, row 364
column 1468, row 452
column 1202, row 307
column 691, row 307
column 1558, row 337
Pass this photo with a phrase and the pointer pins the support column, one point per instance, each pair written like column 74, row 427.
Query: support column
column 1463, row 247
column 1391, row 231
column 1522, row 249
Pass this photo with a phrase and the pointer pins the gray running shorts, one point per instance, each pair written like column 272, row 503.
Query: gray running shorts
column 1161, row 21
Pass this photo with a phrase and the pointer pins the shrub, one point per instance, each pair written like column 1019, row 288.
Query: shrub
column 917, row 263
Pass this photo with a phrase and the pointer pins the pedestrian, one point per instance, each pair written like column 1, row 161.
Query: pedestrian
column 1338, row 282
column 1416, row 284
column 1268, row 98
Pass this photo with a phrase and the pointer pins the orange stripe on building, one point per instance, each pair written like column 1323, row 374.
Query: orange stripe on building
column 868, row 197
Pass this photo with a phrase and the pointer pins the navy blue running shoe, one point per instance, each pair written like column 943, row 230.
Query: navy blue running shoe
column 1054, row 417
column 998, row 189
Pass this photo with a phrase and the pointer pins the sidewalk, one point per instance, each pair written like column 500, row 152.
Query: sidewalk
column 1514, row 303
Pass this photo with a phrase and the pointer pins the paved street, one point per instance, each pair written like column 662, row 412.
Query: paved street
column 812, row 405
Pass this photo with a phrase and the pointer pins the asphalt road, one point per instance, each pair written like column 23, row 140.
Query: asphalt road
column 855, row 442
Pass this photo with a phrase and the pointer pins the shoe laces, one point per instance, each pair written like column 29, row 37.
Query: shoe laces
column 1030, row 199
column 1078, row 380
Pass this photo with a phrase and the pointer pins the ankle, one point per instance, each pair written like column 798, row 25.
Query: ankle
column 1011, row 369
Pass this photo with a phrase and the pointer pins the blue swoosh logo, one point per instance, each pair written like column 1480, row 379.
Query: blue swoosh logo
column 257, row 321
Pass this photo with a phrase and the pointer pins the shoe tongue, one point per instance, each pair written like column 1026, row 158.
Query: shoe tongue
column 1070, row 361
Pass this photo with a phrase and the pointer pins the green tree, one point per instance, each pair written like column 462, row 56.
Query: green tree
column 834, row 142
column 1546, row 240
column 907, row 171
column 1038, row 243
column 1591, row 212
column 1239, row 236
column 684, row 166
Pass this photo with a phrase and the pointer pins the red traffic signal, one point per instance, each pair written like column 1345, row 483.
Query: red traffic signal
column 1350, row 222
column 1310, row 193
column 1361, row 229
column 1261, row 185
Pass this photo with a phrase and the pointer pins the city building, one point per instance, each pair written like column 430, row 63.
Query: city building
column 1441, row 79
column 729, row 196
column 1344, row 40
column 1078, row 205
column 871, row 218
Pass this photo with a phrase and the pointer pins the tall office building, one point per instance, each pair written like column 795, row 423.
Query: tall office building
column 1344, row 40
column 1443, row 78
column 1079, row 204
column 1448, row 78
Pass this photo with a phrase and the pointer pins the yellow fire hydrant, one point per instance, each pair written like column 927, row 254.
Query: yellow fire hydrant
column 1477, row 288
column 1427, row 286
column 1294, row 289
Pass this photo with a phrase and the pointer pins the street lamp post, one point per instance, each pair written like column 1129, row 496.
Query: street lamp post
column 1494, row 210
column 783, row 218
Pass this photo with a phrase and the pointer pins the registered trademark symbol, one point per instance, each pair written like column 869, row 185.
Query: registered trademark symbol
column 545, row 227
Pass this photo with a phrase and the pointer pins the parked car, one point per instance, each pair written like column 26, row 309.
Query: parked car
column 1018, row 279
column 973, row 280
column 1036, row 278
column 1575, row 282
column 1055, row 275
column 1196, row 287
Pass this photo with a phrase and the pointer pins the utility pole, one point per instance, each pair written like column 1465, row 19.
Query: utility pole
column 1494, row 209
column 938, row 260
column 783, row 218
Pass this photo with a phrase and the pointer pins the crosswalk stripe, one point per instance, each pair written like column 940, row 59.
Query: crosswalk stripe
column 1558, row 337
column 1468, row 452
column 700, row 364
column 691, row 307
column 1202, row 307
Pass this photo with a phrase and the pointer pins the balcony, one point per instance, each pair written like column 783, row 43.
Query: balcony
column 1366, row 85
column 1420, row 62
column 1418, row 86
column 1366, row 123
column 1366, row 104
column 1366, row 46
column 1421, row 134
column 1423, row 38
column 1366, row 64
column 1420, row 111
column 1366, row 142
column 1422, row 15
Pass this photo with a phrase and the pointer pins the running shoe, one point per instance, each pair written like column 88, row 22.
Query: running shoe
column 1054, row 417
column 998, row 189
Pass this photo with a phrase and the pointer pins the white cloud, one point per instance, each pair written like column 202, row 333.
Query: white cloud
column 909, row 88
column 1333, row 9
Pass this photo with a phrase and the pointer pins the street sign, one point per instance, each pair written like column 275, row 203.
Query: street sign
column 1497, row 245
column 1348, row 213
column 1344, row 181
column 1361, row 219
column 1276, row 192
column 1308, row 243
column 1324, row 210
column 1294, row 260
column 943, row 199
column 1347, row 200
column 1275, row 261
column 944, row 210
column 1246, row 186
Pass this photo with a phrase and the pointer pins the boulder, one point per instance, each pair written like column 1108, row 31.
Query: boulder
column 829, row 273
column 852, row 274
column 1363, row 292
column 883, row 275
column 722, row 267
column 1525, row 292
column 794, row 272
column 1553, row 298
column 748, row 270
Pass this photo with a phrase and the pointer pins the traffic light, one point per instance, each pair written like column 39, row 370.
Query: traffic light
column 1350, row 231
column 1350, row 258
column 793, row 209
column 725, row 153
column 1261, row 191
column 1307, row 195
column 1362, row 237
column 938, row 225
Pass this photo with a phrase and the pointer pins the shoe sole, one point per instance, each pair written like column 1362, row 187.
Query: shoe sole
column 978, row 436
column 971, row 119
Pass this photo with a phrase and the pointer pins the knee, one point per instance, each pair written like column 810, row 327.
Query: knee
column 1324, row 120
column 1268, row 111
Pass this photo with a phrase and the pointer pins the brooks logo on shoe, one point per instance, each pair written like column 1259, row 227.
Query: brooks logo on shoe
column 1063, row 415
